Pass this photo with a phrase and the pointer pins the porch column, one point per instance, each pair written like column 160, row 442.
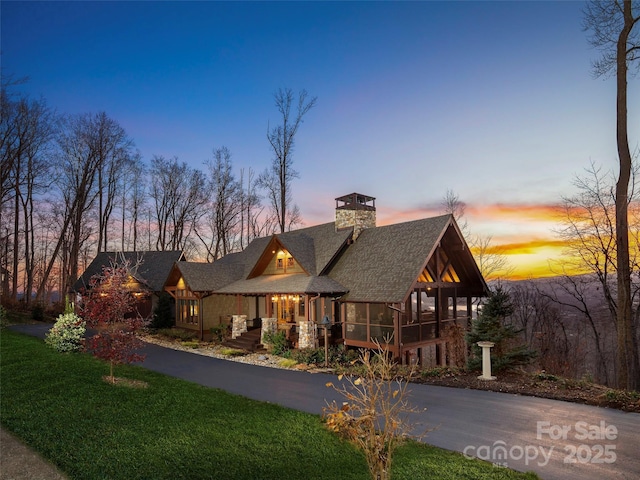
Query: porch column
column 269, row 325
column 308, row 335
column 239, row 325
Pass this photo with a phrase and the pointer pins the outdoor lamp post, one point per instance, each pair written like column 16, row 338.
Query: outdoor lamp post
column 325, row 323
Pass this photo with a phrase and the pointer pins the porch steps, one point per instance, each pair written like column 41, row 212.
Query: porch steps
column 248, row 341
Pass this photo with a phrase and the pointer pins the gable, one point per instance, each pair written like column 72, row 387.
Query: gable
column 312, row 249
column 276, row 259
column 384, row 263
column 206, row 277
column 149, row 268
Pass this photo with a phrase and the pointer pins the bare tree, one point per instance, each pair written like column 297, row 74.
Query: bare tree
column 452, row 205
column 113, row 148
column 589, row 232
column 224, row 207
column 133, row 195
column 177, row 192
column 250, row 208
column 39, row 125
column 614, row 30
column 26, row 132
column 80, row 143
column 491, row 259
column 545, row 328
column 276, row 180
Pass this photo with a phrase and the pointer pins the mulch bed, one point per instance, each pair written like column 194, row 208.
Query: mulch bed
column 543, row 386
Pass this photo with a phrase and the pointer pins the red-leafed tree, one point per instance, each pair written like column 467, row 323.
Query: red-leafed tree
column 110, row 308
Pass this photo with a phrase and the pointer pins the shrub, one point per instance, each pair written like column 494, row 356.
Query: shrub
column 287, row 362
column 162, row 314
column 375, row 415
column 37, row 313
column 177, row 334
column 545, row 376
column 190, row 344
column 218, row 332
column 338, row 355
column 310, row 356
column 277, row 342
column 67, row 334
column 3, row 316
column 232, row 352
column 440, row 372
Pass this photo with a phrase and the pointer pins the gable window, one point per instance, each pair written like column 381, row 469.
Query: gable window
column 440, row 269
column 284, row 261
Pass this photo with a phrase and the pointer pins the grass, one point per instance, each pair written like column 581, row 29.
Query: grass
column 59, row 405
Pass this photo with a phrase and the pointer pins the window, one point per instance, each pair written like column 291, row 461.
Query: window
column 188, row 311
column 279, row 263
column 289, row 261
column 380, row 314
column 187, row 307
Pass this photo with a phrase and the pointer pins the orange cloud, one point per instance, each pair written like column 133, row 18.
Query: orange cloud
column 526, row 247
column 502, row 211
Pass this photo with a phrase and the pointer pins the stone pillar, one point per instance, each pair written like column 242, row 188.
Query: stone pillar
column 239, row 325
column 308, row 335
column 269, row 325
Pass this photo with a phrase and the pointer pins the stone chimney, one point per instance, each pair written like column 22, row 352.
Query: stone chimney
column 357, row 211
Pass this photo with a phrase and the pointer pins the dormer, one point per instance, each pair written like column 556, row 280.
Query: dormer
column 276, row 260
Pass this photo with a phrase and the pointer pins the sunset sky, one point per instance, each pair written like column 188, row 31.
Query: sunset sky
column 493, row 100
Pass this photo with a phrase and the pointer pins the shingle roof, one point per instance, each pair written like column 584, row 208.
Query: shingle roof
column 209, row 277
column 286, row 283
column 380, row 266
column 315, row 247
column 150, row 268
column 383, row 262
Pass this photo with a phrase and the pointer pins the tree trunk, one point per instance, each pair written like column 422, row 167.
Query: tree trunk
column 628, row 370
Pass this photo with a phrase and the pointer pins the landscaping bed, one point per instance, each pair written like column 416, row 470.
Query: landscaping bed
column 539, row 385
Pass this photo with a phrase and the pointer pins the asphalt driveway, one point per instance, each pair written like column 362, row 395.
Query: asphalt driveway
column 557, row 440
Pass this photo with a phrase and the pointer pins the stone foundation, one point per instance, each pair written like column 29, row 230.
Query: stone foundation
column 239, row 325
column 308, row 336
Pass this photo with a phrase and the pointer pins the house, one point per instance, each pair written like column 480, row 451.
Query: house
column 402, row 284
column 148, row 271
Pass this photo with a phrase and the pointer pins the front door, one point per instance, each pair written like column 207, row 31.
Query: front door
column 286, row 308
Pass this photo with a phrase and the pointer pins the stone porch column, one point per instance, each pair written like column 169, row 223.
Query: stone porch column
column 269, row 325
column 308, row 335
column 239, row 325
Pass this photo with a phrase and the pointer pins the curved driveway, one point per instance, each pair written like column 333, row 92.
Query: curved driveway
column 557, row 440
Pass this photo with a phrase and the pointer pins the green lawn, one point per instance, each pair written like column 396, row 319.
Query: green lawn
column 174, row 429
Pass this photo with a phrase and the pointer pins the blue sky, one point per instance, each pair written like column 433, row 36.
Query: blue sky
column 494, row 100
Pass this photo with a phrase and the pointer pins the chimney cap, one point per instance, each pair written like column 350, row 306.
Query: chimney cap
column 356, row 201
